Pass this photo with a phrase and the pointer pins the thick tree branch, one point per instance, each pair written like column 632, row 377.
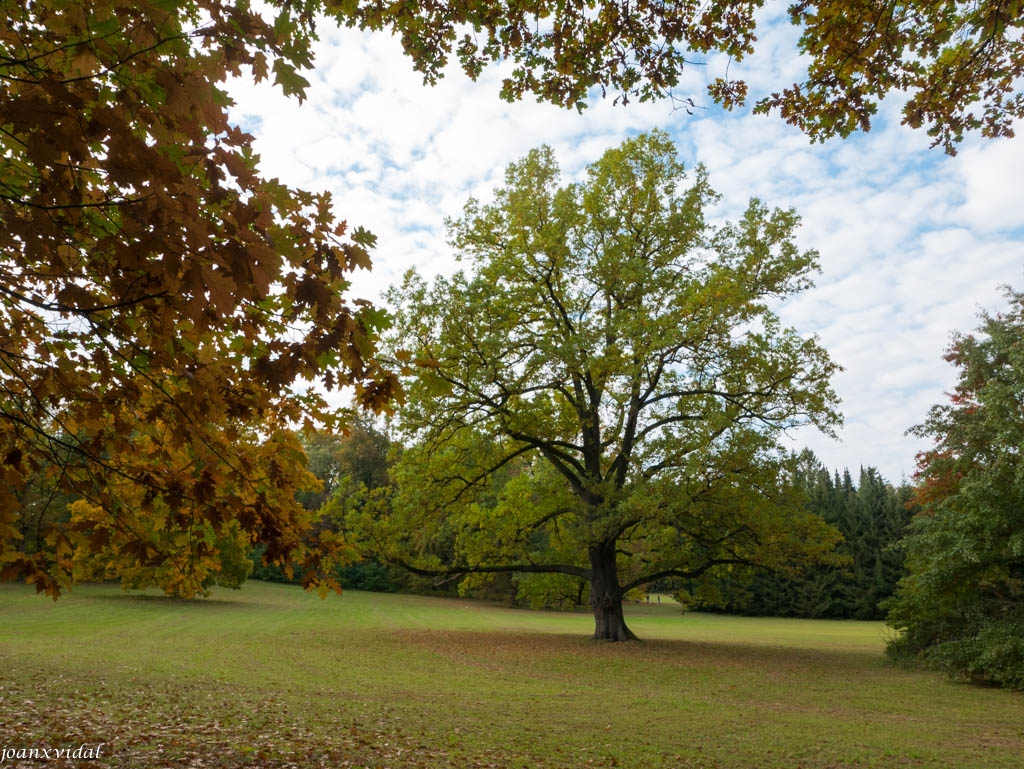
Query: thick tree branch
column 523, row 568
column 683, row 573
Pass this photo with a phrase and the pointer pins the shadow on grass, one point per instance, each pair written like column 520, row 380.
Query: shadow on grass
column 113, row 593
column 499, row 649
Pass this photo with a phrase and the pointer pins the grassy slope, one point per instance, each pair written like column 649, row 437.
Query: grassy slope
column 274, row 677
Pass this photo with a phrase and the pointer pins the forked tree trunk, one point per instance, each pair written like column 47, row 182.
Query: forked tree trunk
column 606, row 596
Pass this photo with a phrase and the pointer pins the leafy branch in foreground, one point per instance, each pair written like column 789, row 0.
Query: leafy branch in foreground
column 163, row 307
column 961, row 63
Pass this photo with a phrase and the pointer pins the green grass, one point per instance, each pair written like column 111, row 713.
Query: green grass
column 274, row 677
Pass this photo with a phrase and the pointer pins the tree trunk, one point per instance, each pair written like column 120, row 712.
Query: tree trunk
column 606, row 596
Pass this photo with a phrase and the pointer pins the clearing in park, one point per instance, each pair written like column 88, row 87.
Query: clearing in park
column 274, row 677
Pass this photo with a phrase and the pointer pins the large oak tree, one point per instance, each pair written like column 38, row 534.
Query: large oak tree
column 600, row 395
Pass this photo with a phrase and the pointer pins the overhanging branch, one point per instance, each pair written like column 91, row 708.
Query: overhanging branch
column 525, row 568
column 683, row 574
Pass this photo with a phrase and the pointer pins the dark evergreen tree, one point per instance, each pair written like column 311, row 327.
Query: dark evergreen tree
column 872, row 516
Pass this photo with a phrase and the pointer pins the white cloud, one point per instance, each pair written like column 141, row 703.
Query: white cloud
column 991, row 175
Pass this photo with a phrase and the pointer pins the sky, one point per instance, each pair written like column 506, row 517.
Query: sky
column 912, row 243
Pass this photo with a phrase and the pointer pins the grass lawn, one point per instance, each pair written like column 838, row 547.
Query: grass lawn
column 274, row 677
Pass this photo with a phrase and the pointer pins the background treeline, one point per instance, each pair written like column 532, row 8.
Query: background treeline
column 350, row 467
column 872, row 516
column 871, row 513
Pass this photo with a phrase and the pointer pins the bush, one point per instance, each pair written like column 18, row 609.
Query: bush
column 366, row 575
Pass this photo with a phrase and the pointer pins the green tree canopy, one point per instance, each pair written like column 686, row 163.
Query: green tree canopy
column 872, row 516
column 614, row 361
column 962, row 605
column 344, row 461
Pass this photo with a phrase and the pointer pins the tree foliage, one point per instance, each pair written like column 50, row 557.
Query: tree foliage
column 343, row 462
column 962, row 605
column 162, row 305
column 151, row 276
column 872, row 515
column 346, row 471
column 961, row 63
column 600, row 394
